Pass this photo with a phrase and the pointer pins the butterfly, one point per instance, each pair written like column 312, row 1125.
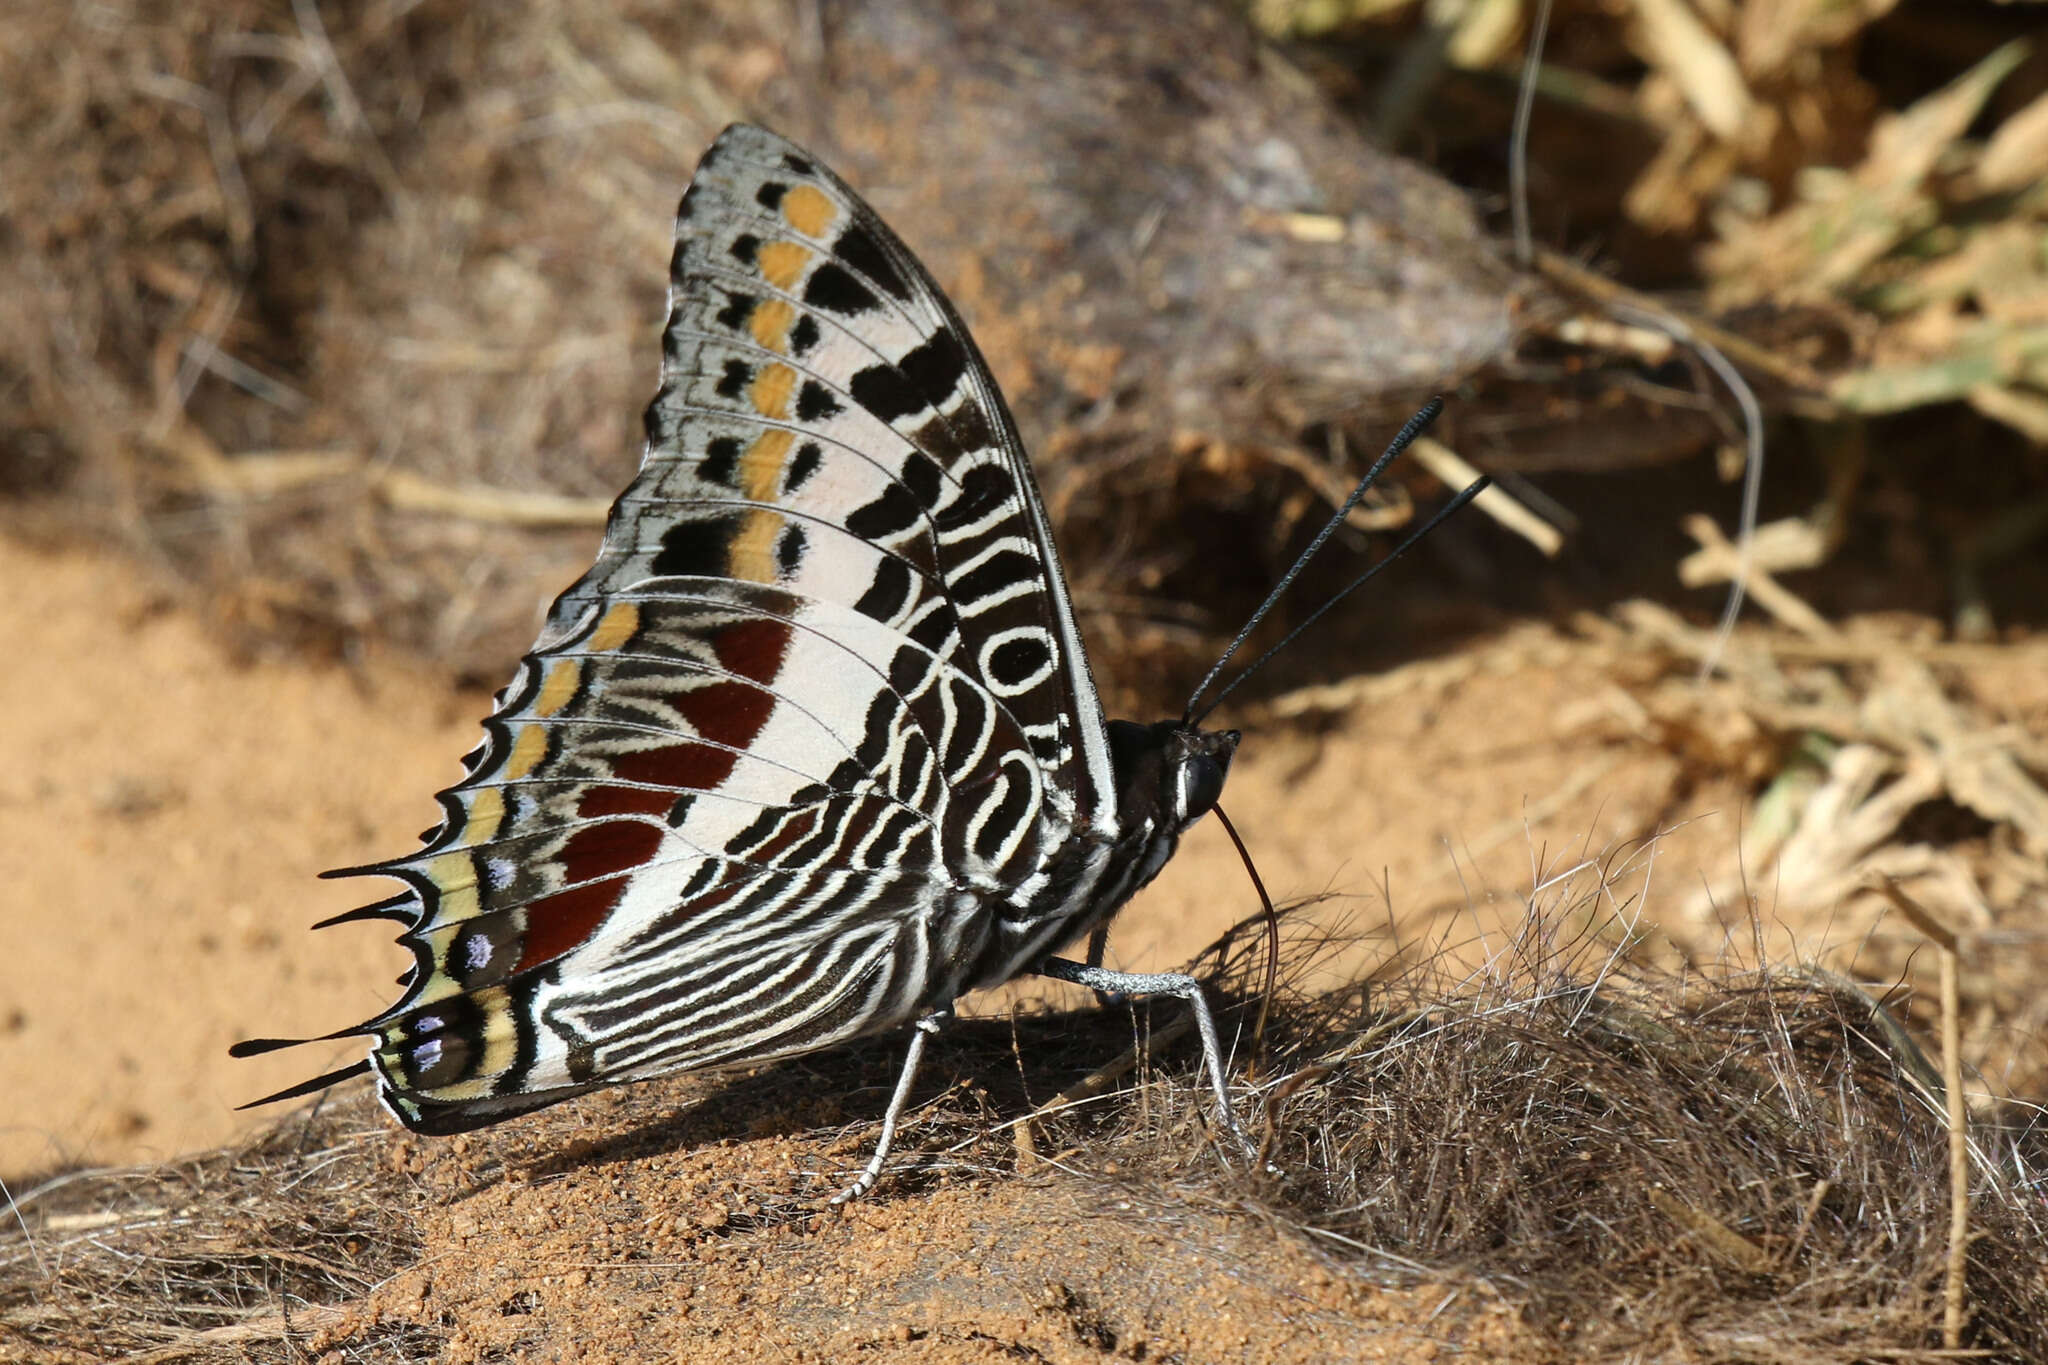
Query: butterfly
column 813, row 749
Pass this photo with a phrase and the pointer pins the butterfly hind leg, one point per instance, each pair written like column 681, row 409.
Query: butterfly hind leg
column 1103, row 981
column 872, row 1172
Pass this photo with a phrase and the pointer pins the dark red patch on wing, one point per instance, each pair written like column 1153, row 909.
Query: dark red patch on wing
column 608, row 847
column 727, row 712
column 754, row 649
column 679, row 767
column 567, row 920
column 612, row 800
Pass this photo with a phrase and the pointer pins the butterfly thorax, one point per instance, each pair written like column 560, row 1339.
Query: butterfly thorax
column 1168, row 775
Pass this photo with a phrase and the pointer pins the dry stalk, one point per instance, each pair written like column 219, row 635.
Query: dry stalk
column 1954, row 1311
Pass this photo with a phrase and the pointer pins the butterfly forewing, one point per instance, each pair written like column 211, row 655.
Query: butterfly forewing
column 816, row 713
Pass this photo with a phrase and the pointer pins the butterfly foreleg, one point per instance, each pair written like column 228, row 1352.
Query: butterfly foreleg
column 923, row 1030
column 1103, row 981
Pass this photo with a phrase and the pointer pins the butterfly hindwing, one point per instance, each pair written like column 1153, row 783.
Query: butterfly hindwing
column 816, row 711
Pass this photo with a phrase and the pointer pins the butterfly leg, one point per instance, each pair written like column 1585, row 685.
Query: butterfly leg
column 865, row 1181
column 1106, row 982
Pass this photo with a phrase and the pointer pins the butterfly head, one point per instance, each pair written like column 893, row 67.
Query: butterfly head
column 1169, row 774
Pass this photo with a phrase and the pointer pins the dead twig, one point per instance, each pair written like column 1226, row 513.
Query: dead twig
column 1440, row 460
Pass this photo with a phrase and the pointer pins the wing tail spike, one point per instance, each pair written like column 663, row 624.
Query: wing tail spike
column 405, row 869
column 317, row 1084
column 257, row 1047
column 402, row 908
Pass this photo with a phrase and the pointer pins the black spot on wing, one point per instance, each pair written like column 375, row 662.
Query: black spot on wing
column 802, row 465
column 696, row 549
column 482, row 953
column 769, row 196
column 437, row 1043
column 859, row 249
column 721, row 459
column 796, row 165
column 815, row 402
column 896, row 511
column 804, row 335
column 889, row 592
column 936, row 366
column 745, row 247
column 873, row 746
column 734, row 381
column 833, row 288
column 922, row 476
column 789, row 549
column 925, row 378
column 737, row 310
column 886, row 392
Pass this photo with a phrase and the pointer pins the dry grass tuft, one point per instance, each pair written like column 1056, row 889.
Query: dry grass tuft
column 209, row 1255
column 1748, row 1168
column 1743, row 1167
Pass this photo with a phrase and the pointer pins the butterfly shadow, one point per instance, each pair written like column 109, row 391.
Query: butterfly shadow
column 979, row 1077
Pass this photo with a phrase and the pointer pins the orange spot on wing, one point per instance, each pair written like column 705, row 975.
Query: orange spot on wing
column 770, row 322
column 770, row 392
column 560, row 684
column 806, row 209
column 529, row 747
column 486, row 812
column 751, row 555
column 760, row 468
column 783, row 262
column 616, row 628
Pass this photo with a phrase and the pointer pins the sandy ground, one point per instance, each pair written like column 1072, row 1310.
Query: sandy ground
column 167, row 809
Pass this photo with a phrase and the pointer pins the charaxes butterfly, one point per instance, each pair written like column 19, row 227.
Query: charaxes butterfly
column 813, row 749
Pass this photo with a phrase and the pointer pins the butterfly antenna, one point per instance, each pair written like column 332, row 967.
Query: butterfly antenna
column 1415, row 427
column 1471, row 491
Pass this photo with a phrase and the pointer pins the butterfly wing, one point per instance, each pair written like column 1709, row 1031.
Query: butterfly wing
column 816, row 714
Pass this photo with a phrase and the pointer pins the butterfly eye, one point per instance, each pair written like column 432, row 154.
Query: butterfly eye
column 1201, row 783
